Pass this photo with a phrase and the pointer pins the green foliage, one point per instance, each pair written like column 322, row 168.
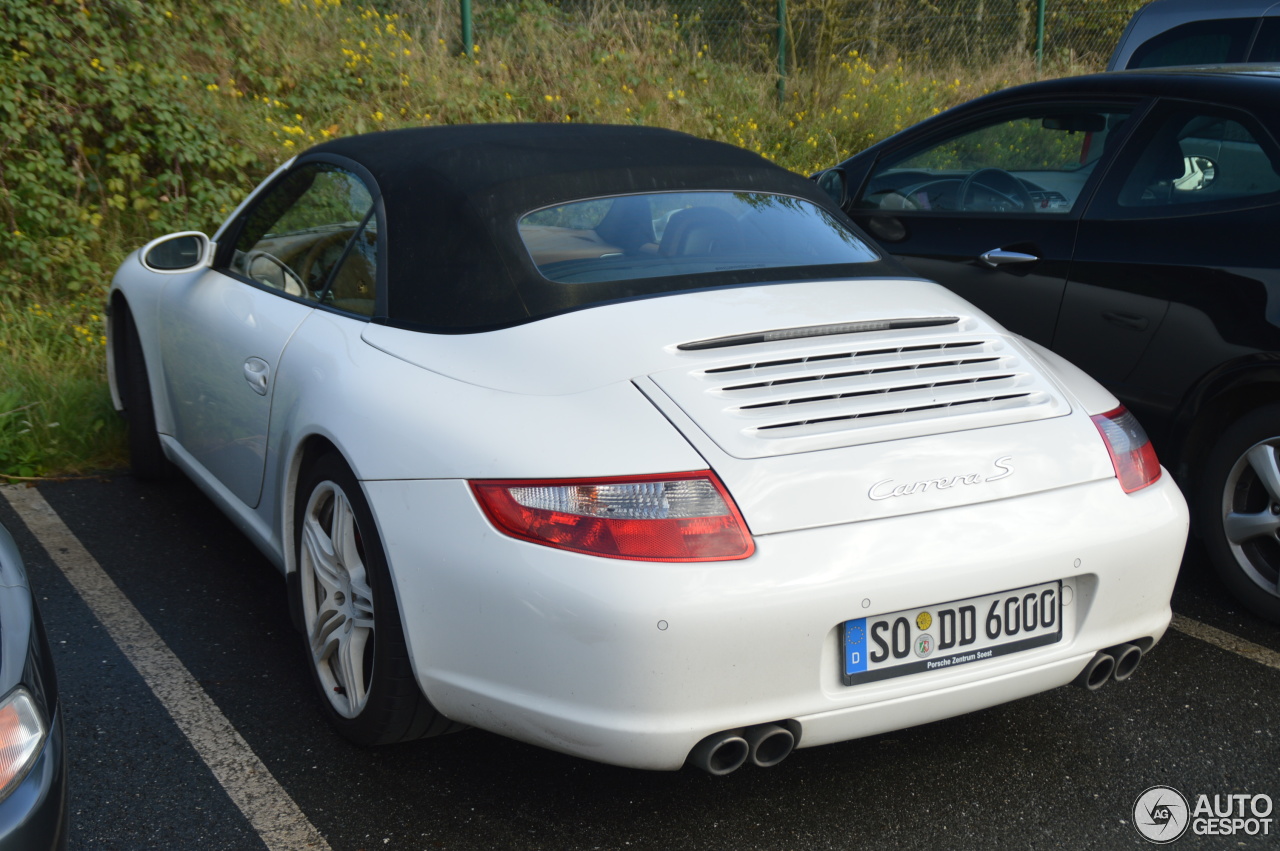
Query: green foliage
column 55, row 415
column 121, row 120
column 929, row 33
column 94, row 142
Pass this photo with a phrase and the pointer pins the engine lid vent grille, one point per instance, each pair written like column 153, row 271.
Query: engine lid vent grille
column 817, row 396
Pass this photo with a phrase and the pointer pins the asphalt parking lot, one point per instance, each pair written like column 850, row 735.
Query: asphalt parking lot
column 253, row 765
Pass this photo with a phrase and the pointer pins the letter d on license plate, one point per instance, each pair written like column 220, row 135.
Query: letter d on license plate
column 933, row 638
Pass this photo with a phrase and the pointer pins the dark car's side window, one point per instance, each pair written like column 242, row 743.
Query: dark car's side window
column 1033, row 161
column 1266, row 47
column 1197, row 43
column 313, row 236
column 1191, row 159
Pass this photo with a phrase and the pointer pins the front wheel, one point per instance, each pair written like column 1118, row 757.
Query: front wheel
column 1238, row 508
column 353, row 638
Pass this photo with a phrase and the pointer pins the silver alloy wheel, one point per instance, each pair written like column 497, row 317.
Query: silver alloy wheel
column 1251, row 514
column 337, row 600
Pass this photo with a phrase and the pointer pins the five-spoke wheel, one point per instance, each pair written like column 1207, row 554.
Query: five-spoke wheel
column 352, row 633
column 336, row 599
column 1239, row 509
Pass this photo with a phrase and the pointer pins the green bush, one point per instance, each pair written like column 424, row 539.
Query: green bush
column 126, row 119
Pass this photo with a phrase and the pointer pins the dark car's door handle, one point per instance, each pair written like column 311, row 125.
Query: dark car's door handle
column 1126, row 320
column 999, row 257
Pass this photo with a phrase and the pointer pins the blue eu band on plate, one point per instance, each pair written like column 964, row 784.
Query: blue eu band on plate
column 913, row 641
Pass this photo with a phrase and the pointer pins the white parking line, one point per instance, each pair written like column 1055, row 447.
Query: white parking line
column 249, row 784
column 1227, row 641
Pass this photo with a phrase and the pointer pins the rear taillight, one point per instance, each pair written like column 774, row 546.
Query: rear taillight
column 1132, row 454
column 667, row 517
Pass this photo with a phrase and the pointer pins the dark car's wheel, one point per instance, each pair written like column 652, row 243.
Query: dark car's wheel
column 146, row 455
column 1238, row 508
column 352, row 634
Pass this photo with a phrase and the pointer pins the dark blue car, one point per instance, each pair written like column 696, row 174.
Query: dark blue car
column 33, row 778
column 1127, row 221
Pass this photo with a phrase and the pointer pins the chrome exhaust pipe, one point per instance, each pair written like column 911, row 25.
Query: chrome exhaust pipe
column 1097, row 672
column 720, row 753
column 769, row 744
column 1127, row 657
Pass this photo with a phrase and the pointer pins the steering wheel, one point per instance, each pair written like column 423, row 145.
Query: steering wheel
column 288, row 279
column 314, row 263
column 1017, row 197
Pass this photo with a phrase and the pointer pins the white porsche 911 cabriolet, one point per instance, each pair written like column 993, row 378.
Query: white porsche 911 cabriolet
column 630, row 445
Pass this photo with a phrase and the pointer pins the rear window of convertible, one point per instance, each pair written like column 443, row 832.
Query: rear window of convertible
column 676, row 234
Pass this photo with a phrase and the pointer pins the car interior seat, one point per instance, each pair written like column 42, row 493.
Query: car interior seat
column 1161, row 163
column 701, row 231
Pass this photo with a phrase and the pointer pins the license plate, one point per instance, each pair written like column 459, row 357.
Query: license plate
column 936, row 638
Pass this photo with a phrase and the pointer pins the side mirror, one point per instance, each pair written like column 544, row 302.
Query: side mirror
column 835, row 184
column 177, row 252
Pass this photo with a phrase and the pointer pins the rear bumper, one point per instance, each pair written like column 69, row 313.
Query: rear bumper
column 634, row 662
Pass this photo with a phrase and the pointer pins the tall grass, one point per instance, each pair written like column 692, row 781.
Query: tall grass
column 55, row 412
column 253, row 97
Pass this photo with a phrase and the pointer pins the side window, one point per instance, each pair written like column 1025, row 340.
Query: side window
column 353, row 285
column 1196, row 158
column 313, row 236
column 1266, row 47
column 1196, row 43
column 1030, row 162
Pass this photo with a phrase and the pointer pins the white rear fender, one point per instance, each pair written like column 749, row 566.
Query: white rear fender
column 394, row 420
column 1092, row 396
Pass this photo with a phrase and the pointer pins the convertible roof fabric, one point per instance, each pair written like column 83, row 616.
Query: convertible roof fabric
column 453, row 195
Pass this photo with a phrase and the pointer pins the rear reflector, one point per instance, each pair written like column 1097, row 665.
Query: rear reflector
column 665, row 517
column 1132, row 454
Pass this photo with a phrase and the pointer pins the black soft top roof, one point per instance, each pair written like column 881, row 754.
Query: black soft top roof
column 542, row 164
column 451, row 198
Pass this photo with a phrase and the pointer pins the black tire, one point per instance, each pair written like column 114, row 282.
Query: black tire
column 359, row 660
column 1237, row 510
column 146, row 455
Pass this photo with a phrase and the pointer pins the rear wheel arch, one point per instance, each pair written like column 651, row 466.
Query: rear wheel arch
column 1229, row 417
column 1212, row 407
column 306, row 453
column 336, row 562
column 1237, row 501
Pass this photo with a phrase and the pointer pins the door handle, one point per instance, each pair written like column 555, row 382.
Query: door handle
column 999, row 257
column 1126, row 320
column 256, row 372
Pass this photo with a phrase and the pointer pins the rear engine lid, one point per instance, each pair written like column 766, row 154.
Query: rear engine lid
column 808, row 428
column 811, row 393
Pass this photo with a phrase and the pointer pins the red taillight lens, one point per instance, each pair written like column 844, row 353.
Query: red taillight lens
column 667, row 517
column 1132, row 454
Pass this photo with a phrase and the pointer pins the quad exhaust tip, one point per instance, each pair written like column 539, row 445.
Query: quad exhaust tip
column 764, row 745
column 1115, row 663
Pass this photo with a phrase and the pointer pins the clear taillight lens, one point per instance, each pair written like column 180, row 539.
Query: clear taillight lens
column 1132, row 454
column 666, row 517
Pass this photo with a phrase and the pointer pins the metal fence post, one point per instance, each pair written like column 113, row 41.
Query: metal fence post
column 782, row 52
column 1039, row 35
column 466, row 26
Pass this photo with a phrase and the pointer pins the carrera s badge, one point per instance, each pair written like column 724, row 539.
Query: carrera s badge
column 886, row 489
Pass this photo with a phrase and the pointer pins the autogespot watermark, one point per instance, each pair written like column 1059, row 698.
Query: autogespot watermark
column 1162, row 815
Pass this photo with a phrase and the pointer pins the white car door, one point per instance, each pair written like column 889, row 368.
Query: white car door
column 222, row 333
column 221, row 340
